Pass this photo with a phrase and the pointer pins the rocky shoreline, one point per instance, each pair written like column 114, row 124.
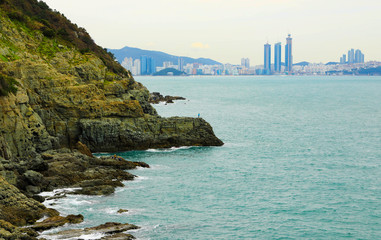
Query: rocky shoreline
column 63, row 97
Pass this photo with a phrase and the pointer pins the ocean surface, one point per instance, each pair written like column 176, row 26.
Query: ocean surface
column 301, row 160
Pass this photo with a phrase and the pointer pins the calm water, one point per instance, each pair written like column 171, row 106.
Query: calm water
column 301, row 160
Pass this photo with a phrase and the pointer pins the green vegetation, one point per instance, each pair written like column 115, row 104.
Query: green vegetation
column 7, row 85
column 34, row 15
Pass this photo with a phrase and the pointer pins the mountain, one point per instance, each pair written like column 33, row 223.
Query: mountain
column 159, row 57
column 301, row 64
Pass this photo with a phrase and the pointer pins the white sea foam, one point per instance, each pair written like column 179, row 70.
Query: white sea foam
column 172, row 149
column 59, row 191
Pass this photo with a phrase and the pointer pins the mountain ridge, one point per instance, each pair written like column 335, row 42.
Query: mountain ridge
column 158, row 56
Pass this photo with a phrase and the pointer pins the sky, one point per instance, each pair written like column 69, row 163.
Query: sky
column 228, row 30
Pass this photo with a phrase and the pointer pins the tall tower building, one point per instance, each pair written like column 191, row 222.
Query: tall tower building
column 288, row 54
column 277, row 57
column 351, row 56
column 180, row 64
column 143, row 65
column 267, row 59
column 245, row 62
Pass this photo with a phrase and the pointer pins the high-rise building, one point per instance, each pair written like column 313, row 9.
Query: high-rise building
column 245, row 62
column 277, row 57
column 267, row 58
column 288, row 54
column 136, row 69
column 343, row 59
column 359, row 56
column 180, row 64
column 351, row 56
column 143, row 65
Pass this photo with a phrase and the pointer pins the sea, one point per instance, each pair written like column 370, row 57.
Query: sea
column 301, row 160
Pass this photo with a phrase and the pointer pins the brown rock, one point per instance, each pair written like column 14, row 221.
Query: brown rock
column 82, row 148
column 56, row 221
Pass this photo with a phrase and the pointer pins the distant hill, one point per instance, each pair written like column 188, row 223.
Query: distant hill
column 331, row 63
column 159, row 57
column 301, row 64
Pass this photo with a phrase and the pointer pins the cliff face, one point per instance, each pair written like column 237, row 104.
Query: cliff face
column 65, row 95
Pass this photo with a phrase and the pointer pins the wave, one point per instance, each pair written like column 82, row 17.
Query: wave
column 59, row 191
column 172, row 149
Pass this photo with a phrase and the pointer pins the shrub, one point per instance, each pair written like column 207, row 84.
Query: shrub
column 7, row 85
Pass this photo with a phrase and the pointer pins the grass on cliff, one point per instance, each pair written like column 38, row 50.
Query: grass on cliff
column 7, row 85
column 37, row 16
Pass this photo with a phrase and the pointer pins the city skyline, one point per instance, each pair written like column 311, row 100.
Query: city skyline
column 226, row 31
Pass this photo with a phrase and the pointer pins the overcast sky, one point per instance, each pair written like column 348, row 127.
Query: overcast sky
column 227, row 30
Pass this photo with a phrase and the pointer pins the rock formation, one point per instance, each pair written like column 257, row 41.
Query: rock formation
column 63, row 97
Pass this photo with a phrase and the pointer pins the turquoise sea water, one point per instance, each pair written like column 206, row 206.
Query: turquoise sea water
column 301, row 160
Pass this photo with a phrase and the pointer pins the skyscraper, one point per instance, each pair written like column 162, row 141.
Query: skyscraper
column 267, row 59
column 180, row 64
column 351, row 56
column 143, row 65
column 343, row 59
column 277, row 57
column 245, row 62
column 288, row 54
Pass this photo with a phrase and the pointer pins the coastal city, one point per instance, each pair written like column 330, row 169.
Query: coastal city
column 351, row 63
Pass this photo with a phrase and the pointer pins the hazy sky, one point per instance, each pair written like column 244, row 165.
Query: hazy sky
column 227, row 30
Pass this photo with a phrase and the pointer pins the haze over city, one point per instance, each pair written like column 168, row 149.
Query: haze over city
column 226, row 31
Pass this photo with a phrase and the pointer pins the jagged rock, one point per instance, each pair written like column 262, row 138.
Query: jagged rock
column 112, row 135
column 16, row 208
column 56, row 221
column 9, row 231
column 82, row 148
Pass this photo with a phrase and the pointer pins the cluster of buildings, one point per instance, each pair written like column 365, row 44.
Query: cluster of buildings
column 277, row 67
column 145, row 65
column 353, row 57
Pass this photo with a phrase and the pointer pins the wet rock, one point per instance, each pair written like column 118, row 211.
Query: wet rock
column 142, row 164
column 122, row 211
column 110, row 229
column 56, row 221
column 96, row 190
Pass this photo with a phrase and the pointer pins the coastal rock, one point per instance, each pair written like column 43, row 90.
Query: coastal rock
column 122, row 211
column 16, row 208
column 9, row 231
column 112, row 230
column 56, row 221
column 156, row 97
column 112, row 135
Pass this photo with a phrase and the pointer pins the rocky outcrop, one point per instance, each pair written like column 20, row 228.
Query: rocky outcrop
column 110, row 230
column 56, row 221
column 112, row 134
column 16, row 208
column 156, row 97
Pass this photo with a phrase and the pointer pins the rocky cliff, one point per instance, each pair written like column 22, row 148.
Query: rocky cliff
column 57, row 89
